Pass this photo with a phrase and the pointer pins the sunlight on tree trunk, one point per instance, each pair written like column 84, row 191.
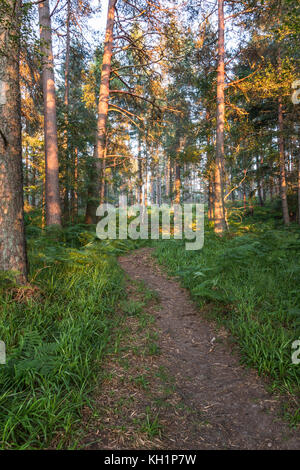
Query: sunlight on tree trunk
column 219, row 213
column 104, row 93
column 12, row 238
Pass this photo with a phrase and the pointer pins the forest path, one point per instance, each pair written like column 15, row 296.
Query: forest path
column 196, row 393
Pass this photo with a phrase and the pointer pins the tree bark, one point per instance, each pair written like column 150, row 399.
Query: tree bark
column 91, row 206
column 298, row 189
column 140, row 172
column 67, row 59
column 219, row 213
column 283, row 189
column 210, row 196
column 12, row 237
column 104, row 91
column 67, row 163
column 53, row 210
column 177, row 183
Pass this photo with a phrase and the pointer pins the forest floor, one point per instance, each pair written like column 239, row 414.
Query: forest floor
column 174, row 380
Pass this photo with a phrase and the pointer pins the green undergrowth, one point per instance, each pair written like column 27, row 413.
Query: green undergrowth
column 56, row 331
column 249, row 281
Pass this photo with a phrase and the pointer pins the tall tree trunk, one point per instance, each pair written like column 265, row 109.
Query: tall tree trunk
column 271, row 187
column 283, row 189
column 12, row 238
column 26, row 179
column 259, row 184
column 92, row 203
column 219, row 213
column 53, row 210
column 146, row 175
column 67, row 60
column 67, row 163
column 140, row 172
column 177, row 183
column 210, row 169
column 33, row 182
column 171, row 181
column 75, row 186
column 167, row 178
column 210, row 196
column 104, row 90
column 298, row 189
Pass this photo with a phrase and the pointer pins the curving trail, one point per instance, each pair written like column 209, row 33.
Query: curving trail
column 226, row 406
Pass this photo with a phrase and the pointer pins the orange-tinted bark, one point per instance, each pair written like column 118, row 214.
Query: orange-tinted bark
column 12, row 238
column 53, row 210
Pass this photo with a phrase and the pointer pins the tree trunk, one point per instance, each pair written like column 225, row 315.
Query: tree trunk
column 271, row 187
column 140, row 172
column 177, row 183
column 298, row 189
column 219, row 213
column 104, row 91
column 259, row 184
column 53, row 210
column 67, row 207
column 67, row 60
column 167, row 178
column 92, row 204
column 283, row 189
column 33, row 182
column 75, row 186
column 12, row 238
column 210, row 196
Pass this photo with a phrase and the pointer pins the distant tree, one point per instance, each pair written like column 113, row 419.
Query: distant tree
column 12, row 239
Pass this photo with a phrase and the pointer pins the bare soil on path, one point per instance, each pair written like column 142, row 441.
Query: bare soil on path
column 208, row 400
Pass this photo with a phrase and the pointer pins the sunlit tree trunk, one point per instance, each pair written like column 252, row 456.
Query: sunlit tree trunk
column 177, row 183
column 12, row 238
column 67, row 163
column 53, row 210
column 219, row 213
column 104, row 90
column 271, row 187
column 283, row 188
column 210, row 169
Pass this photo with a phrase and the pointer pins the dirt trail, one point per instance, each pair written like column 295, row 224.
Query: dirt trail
column 230, row 408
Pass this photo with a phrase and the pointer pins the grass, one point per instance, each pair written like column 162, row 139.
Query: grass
column 58, row 329
column 56, row 335
column 250, row 280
